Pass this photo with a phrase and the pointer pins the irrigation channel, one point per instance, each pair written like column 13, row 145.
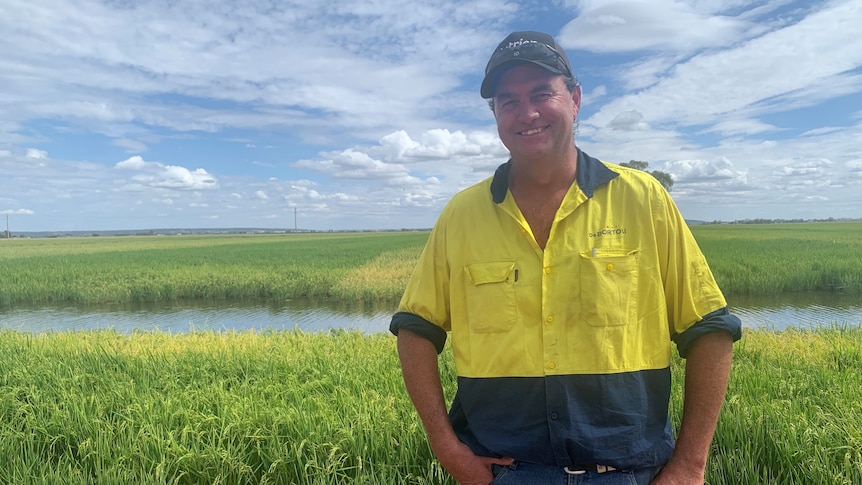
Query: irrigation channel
column 776, row 312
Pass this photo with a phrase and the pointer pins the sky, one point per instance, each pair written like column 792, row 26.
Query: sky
column 353, row 115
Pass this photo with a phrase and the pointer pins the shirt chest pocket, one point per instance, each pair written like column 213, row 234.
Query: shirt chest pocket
column 490, row 294
column 609, row 288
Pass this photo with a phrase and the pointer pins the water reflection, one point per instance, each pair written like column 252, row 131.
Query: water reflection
column 775, row 312
column 803, row 310
column 179, row 317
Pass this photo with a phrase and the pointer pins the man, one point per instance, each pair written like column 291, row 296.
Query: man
column 563, row 281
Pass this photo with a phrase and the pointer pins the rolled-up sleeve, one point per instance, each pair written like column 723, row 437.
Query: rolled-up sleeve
column 718, row 321
column 419, row 326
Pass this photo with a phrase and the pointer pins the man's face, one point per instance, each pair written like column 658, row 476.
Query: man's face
column 535, row 112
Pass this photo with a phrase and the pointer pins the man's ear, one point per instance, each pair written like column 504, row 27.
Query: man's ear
column 576, row 99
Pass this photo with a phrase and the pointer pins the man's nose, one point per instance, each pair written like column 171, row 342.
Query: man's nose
column 527, row 111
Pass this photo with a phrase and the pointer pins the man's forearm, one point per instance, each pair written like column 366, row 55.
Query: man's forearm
column 706, row 374
column 422, row 378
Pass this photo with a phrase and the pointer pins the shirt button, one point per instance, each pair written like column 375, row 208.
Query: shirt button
column 549, row 319
column 554, row 416
column 547, row 270
column 552, row 365
column 610, row 266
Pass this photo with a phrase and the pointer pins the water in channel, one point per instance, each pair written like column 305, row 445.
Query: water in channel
column 774, row 313
column 201, row 316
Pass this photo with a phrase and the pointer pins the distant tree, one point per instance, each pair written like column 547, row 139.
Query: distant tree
column 642, row 166
column 663, row 178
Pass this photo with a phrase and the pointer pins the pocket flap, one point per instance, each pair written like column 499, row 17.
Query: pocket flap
column 489, row 272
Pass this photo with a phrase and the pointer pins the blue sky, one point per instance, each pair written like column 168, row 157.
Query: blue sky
column 367, row 115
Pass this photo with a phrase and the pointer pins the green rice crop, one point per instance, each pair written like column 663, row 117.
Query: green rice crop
column 274, row 408
column 300, row 408
column 360, row 266
column 746, row 259
column 767, row 259
column 793, row 412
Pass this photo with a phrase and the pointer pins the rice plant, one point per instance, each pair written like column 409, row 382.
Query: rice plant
column 746, row 259
column 257, row 267
column 327, row 408
column 766, row 259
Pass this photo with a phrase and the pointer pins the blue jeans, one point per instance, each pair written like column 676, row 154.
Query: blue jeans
column 521, row 473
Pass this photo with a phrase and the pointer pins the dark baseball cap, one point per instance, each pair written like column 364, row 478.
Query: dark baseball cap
column 528, row 46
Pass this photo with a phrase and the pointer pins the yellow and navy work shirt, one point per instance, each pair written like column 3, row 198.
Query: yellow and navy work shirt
column 563, row 354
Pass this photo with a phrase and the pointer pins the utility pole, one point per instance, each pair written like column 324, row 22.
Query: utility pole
column 8, row 234
column 295, row 228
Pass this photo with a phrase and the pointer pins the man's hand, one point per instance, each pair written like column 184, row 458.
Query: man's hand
column 675, row 473
column 467, row 468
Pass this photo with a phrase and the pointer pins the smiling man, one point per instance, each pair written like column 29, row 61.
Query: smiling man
column 564, row 282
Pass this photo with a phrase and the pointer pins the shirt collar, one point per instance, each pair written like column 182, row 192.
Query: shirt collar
column 591, row 174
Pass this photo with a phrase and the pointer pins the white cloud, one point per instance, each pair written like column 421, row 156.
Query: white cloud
column 130, row 145
column 805, row 168
column 37, row 154
column 634, row 25
column 703, row 171
column 280, row 66
column 155, row 174
column 733, row 127
column 354, row 164
column 594, row 95
column 628, row 121
column 132, row 163
column 799, row 63
column 434, row 144
column 386, row 98
column 182, row 178
column 17, row 212
column 646, row 71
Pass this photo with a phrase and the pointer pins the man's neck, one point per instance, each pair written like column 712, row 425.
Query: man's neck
column 539, row 189
column 544, row 174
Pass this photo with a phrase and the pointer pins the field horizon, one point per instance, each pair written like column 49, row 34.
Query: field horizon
column 171, row 231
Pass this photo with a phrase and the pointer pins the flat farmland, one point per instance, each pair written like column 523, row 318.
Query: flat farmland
column 356, row 266
column 745, row 259
column 290, row 407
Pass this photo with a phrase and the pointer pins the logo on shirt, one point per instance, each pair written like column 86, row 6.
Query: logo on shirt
column 608, row 231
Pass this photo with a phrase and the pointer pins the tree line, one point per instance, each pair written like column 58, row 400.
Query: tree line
column 664, row 178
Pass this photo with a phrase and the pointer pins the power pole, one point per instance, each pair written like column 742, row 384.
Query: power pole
column 8, row 234
column 295, row 229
